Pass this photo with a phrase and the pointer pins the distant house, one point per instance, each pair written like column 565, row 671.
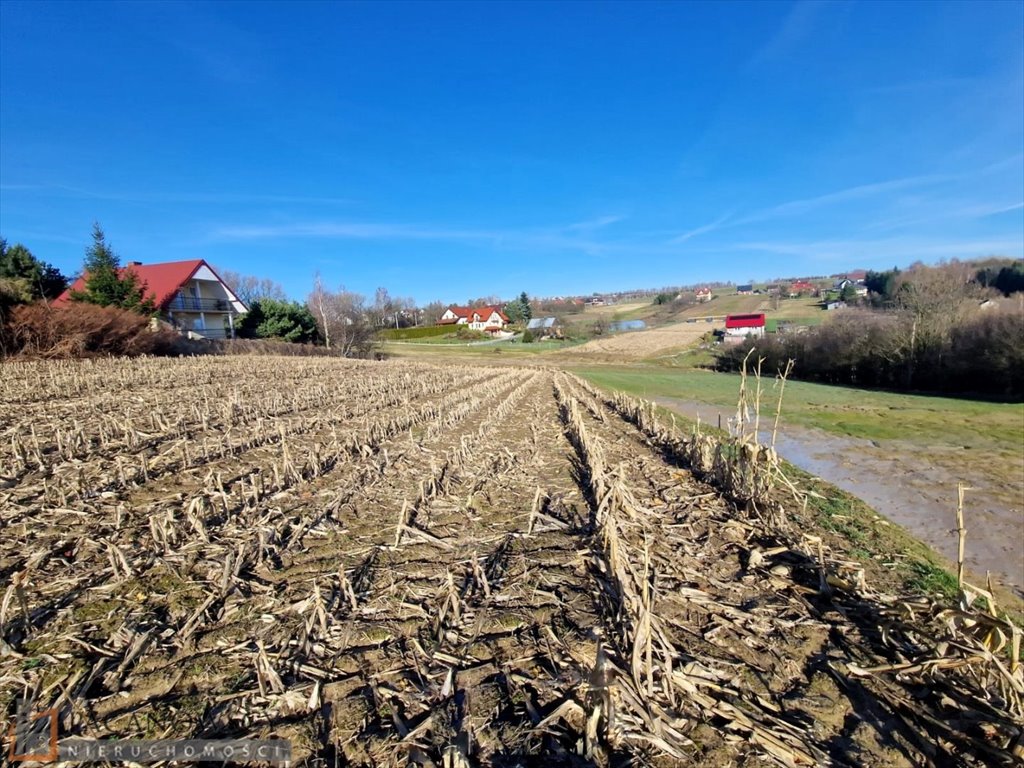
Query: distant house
column 745, row 290
column 543, row 327
column 188, row 294
column 858, row 275
column 703, row 294
column 801, row 287
column 842, row 285
column 488, row 319
column 738, row 327
column 834, row 304
column 541, row 323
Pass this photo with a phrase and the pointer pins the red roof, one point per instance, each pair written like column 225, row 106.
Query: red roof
column 703, row 290
column 801, row 285
column 163, row 281
column 745, row 321
column 483, row 311
column 486, row 312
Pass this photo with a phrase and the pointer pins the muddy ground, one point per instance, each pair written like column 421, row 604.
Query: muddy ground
column 909, row 486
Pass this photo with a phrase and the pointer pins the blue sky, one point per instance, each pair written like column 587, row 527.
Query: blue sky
column 455, row 150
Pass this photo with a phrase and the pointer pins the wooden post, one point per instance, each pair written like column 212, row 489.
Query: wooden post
column 961, row 533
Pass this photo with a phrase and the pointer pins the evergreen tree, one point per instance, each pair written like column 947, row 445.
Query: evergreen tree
column 26, row 276
column 106, row 283
column 273, row 319
column 526, row 311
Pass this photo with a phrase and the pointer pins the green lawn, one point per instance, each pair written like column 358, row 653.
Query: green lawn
column 844, row 411
column 444, row 349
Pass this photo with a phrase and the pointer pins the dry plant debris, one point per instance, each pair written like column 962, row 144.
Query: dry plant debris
column 405, row 564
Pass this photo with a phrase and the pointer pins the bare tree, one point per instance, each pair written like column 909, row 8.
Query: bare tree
column 432, row 312
column 250, row 288
column 342, row 319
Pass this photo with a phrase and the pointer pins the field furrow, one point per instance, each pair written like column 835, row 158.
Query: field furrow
column 404, row 564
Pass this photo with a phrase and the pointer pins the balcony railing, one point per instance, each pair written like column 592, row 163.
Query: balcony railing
column 182, row 303
column 213, row 333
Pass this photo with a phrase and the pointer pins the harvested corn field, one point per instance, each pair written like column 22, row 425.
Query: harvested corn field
column 413, row 565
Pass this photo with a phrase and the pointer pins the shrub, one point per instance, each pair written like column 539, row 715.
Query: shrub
column 468, row 334
column 982, row 354
column 84, row 330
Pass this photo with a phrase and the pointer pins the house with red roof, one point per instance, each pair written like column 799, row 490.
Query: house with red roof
column 188, row 294
column 739, row 327
column 703, row 294
column 801, row 287
column 488, row 319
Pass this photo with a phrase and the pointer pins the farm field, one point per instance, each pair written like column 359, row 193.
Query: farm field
column 921, row 444
column 401, row 563
column 638, row 345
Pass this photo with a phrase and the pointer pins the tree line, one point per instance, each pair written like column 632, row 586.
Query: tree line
column 341, row 320
column 923, row 329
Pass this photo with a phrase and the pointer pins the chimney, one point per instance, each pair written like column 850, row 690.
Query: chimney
column 134, row 263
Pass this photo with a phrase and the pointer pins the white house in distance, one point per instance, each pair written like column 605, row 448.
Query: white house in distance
column 488, row 319
column 738, row 327
column 188, row 294
column 703, row 294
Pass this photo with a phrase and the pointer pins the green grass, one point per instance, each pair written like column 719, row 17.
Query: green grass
column 866, row 414
column 771, row 322
column 422, row 332
column 441, row 350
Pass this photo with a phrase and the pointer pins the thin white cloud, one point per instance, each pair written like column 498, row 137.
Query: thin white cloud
column 897, row 248
column 209, row 198
column 590, row 226
column 859, row 192
column 942, row 211
column 558, row 238
column 798, row 25
column 702, row 230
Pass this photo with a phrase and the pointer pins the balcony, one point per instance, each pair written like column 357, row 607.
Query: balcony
column 212, row 333
column 181, row 303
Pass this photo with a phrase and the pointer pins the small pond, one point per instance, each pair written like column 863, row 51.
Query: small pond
column 628, row 325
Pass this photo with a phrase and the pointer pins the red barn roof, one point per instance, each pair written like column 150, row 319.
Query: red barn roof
column 163, row 281
column 745, row 321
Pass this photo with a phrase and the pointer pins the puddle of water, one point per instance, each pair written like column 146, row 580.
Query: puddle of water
column 902, row 484
column 628, row 325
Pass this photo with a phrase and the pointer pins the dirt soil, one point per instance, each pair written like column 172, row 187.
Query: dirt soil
column 405, row 564
column 638, row 345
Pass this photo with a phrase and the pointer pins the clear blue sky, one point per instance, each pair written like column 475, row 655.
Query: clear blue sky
column 454, row 150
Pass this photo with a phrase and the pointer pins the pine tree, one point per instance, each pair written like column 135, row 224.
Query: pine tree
column 524, row 301
column 27, row 276
column 106, row 284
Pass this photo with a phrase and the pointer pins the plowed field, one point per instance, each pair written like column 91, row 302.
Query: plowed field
column 405, row 564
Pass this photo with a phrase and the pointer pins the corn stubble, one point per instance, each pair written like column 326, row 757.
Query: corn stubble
column 403, row 564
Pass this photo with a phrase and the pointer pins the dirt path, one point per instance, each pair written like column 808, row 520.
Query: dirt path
column 905, row 484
